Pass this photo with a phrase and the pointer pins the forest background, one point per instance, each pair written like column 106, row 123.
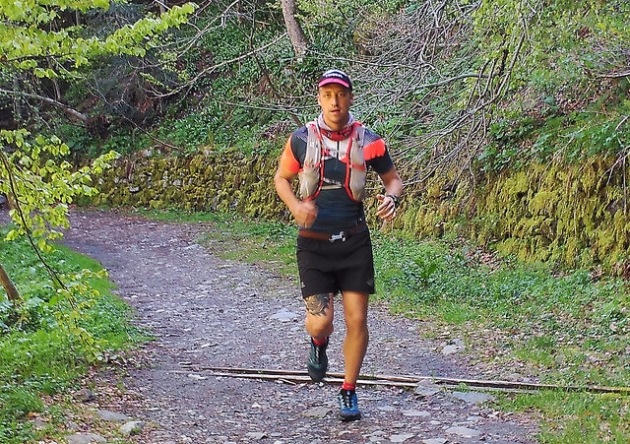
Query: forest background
column 508, row 120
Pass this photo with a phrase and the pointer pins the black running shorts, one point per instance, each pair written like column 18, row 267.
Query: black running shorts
column 332, row 267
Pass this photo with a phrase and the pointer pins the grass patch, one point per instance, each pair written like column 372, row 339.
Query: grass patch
column 565, row 329
column 49, row 342
column 569, row 418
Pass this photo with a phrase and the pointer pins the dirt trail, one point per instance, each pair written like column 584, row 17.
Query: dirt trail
column 210, row 312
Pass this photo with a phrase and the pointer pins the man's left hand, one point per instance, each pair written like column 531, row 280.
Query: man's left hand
column 387, row 207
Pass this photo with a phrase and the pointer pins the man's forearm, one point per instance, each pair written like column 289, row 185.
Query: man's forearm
column 285, row 192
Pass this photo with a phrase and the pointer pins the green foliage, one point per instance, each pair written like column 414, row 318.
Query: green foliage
column 195, row 130
column 41, row 185
column 564, row 79
column 577, row 417
column 504, row 151
column 554, row 70
column 28, row 44
column 57, row 335
column 413, row 267
column 32, row 42
column 35, row 174
column 336, row 18
column 15, row 405
column 121, row 141
column 235, row 107
column 79, row 141
column 553, row 315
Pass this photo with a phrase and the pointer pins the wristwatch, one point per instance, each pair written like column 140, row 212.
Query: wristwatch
column 394, row 198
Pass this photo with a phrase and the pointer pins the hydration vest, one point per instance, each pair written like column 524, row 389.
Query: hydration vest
column 312, row 175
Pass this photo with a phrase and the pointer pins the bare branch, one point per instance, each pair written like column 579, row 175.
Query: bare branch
column 614, row 75
column 68, row 109
column 188, row 85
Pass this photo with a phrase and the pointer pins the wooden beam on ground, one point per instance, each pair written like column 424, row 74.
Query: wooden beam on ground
column 300, row 376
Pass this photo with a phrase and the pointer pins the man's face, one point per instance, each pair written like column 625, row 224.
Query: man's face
column 335, row 101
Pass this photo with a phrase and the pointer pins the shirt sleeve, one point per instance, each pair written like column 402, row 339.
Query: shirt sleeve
column 376, row 154
column 287, row 158
column 382, row 164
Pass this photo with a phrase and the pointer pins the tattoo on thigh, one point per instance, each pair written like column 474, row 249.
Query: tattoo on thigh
column 317, row 304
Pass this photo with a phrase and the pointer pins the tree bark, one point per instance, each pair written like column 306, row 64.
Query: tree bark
column 296, row 35
column 163, row 6
column 12, row 292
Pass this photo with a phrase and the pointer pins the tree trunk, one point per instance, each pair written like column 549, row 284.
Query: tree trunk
column 12, row 292
column 296, row 35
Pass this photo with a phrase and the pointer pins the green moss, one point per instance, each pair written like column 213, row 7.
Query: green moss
column 573, row 215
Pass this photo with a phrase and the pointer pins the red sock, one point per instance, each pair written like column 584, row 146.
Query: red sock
column 320, row 342
column 348, row 386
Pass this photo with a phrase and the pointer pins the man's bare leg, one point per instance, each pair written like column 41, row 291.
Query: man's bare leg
column 355, row 306
column 354, row 348
column 319, row 325
column 319, row 315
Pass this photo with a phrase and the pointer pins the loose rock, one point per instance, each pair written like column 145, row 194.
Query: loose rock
column 464, row 432
column 85, row 438
column 111, row 416
column 132, row 428
column 85, row 395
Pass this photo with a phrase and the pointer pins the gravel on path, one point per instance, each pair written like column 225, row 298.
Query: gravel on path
column 208, row 312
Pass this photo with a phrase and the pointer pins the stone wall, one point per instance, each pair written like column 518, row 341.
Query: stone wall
column 575, row 215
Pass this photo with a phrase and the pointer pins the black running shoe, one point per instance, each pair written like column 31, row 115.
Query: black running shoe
column 317, row 363
column 349, row 406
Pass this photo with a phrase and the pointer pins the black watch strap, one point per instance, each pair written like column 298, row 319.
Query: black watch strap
column 394, row 198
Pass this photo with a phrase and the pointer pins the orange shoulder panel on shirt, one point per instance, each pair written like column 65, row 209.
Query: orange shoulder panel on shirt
column 374, row 149
column 288, row 160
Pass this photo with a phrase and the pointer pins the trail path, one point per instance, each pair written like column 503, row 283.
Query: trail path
column 209, row 312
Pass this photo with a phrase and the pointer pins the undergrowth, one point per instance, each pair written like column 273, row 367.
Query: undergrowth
column 53, row 337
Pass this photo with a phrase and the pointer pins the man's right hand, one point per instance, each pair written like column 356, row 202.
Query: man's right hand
column 305, row 213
